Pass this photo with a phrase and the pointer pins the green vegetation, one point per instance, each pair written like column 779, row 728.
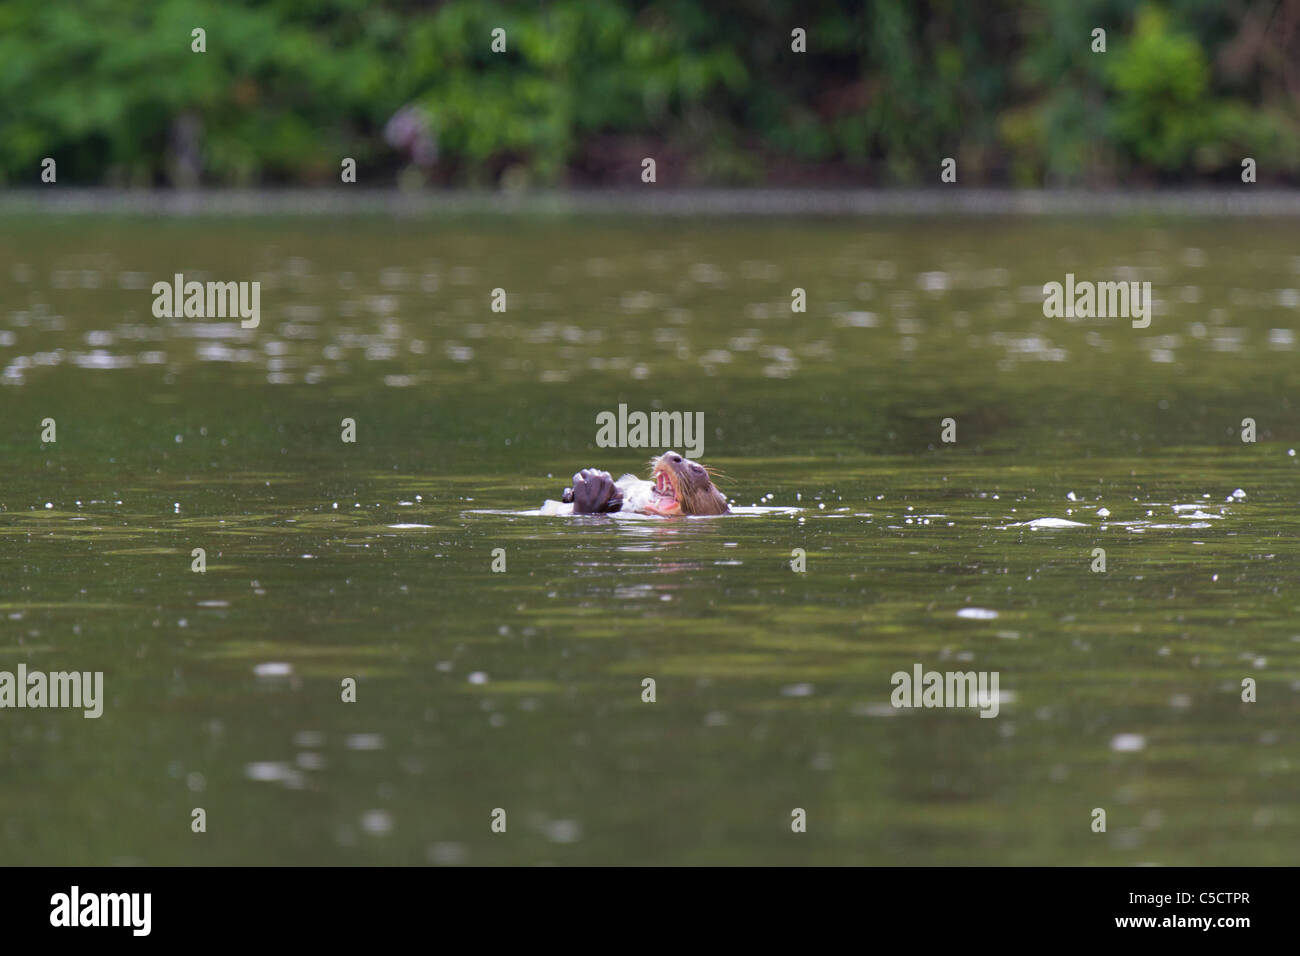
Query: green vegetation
column 586, row 88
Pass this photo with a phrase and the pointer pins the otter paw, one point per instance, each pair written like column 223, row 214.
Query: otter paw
column 594, row 492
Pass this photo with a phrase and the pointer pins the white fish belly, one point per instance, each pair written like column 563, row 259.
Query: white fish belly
column 637, row 493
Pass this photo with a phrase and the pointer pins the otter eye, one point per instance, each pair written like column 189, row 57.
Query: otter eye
column 676, row 459
column 696, row 469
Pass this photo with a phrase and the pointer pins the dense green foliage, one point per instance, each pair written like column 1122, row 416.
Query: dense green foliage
column 712, row 90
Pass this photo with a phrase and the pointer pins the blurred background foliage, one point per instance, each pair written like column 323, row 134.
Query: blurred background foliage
column 710, row 88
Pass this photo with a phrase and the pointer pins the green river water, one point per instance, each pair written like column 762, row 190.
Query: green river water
column 522, row 690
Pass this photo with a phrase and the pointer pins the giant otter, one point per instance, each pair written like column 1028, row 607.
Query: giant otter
column 677, row 486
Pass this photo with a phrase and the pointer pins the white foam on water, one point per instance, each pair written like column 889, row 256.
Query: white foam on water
column 1045, row 523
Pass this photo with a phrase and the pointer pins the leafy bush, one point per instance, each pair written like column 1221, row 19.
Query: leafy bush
column 887, row 89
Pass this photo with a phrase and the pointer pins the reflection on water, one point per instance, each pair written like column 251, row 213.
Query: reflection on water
column 522, row 689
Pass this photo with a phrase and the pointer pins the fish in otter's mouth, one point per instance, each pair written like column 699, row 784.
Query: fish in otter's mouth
column 677, row 486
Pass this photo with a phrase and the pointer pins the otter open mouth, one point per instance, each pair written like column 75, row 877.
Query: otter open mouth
column 665, row 500
column 665, row 486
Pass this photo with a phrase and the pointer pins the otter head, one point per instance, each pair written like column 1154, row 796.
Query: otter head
column 683, row 487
